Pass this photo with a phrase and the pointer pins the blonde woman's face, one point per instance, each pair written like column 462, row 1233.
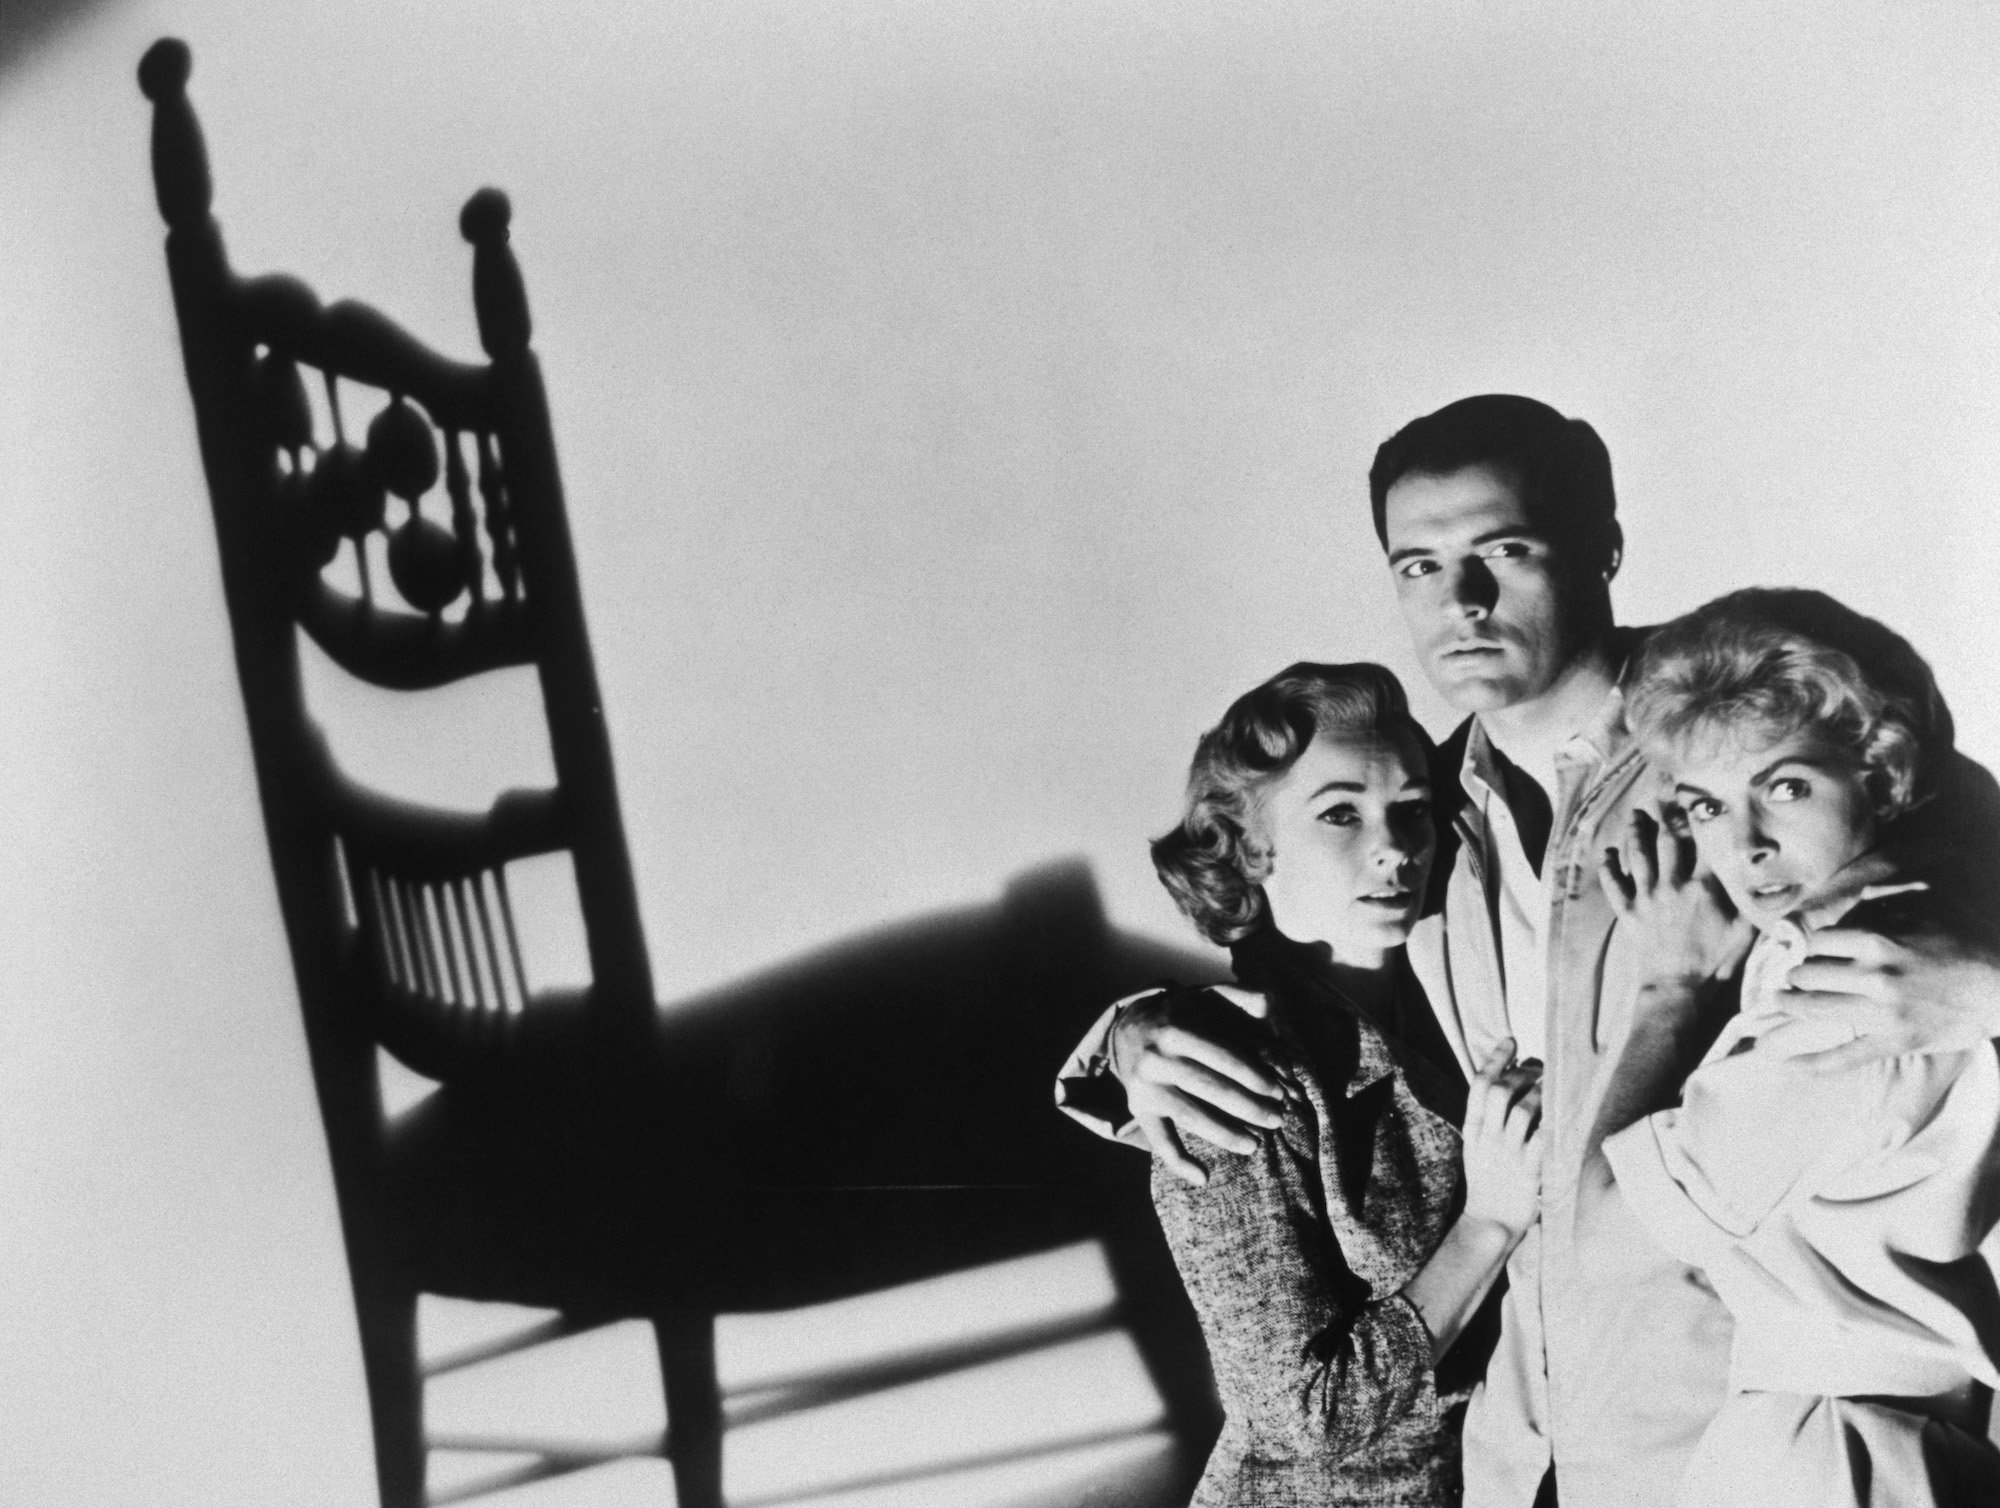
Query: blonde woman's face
column 1774, row 821
column 1348, row 830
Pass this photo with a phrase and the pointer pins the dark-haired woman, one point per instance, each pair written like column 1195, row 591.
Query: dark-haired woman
column 1336, row 1268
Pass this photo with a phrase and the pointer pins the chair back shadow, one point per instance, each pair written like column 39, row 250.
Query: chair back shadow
column 873, row 1114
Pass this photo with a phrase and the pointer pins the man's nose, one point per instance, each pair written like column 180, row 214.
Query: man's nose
column 1472, row 588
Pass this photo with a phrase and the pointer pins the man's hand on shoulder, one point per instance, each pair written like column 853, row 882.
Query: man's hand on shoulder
column 1927, row 993
column 1190, row 1070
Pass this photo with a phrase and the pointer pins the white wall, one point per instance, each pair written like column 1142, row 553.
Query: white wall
column 958, row 405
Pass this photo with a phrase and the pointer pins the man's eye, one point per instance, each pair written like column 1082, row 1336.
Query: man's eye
column 1791, row 788
column 1702, row 808
column 1340, row 816
column 1411, row 569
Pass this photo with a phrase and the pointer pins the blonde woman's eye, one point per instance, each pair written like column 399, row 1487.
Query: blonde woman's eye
column 1791, row 788
column 1702, row 808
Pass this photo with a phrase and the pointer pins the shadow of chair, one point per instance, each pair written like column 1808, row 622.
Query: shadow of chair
column 872, row 1115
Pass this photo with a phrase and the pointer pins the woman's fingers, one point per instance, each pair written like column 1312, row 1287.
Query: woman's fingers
column 1524, row 1115
column 1522, row 1077
column 1618, row 886
column 1480, row 1104
column 1641, row 856
column 1496, row 1062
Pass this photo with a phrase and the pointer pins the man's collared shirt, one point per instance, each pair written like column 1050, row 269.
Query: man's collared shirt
column 1517, row 895
column 1610, row 1364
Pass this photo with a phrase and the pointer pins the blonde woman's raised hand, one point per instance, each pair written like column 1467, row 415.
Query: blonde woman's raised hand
column 1687, row 930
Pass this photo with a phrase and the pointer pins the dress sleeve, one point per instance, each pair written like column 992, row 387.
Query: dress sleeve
column 1302, row 1352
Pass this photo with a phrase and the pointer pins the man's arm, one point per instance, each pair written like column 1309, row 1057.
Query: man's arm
column 1927, row 993
column 1176, row 1062
column 1930, row 993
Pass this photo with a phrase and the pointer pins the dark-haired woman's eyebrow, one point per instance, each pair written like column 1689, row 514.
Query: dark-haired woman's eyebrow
column 1338, row 785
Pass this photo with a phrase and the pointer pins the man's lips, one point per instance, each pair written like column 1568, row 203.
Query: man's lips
column 1471, row 647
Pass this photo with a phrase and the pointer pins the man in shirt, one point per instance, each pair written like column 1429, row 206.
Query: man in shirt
column 1498, row 517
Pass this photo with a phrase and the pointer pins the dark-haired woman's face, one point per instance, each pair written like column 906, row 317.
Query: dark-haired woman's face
column 1348, row 828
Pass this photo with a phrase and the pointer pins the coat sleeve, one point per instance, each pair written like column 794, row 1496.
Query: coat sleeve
column 1303, row 1353
column 1087, row 1091
column 1754, row 1130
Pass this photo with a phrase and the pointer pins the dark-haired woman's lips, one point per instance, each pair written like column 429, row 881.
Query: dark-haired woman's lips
column 1391, row 900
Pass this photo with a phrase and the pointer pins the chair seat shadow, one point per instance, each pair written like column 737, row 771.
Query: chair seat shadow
column 870, row 1115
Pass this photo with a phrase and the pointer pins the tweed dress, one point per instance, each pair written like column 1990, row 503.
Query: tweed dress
column 1294, row 1255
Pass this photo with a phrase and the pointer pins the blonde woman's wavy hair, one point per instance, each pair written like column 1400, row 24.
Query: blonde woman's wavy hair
column 1776, row 661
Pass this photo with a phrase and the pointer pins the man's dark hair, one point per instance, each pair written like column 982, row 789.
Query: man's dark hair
column 1560, row 465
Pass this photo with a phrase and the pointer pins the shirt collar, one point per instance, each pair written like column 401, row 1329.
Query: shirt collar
column 1602, row 735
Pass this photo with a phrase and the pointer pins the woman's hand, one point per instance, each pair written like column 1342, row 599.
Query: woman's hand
column 1503, row 1196
column 1688, row 932
column 1503, row 1143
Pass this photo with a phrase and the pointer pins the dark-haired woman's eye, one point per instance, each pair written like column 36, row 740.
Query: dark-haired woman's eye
column 1342, row 815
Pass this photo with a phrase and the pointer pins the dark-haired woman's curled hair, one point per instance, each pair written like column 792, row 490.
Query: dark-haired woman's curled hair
column 1214, row 862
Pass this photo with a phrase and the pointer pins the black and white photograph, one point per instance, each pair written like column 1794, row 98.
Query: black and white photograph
column 1009, row 753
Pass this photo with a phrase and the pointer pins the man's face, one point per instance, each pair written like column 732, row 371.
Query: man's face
column 1497, row 609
